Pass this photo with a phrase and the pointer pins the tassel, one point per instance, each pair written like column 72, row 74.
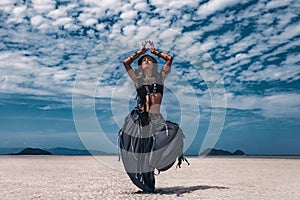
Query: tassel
column 180, row 159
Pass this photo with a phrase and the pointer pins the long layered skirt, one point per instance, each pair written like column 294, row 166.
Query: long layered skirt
column 148, row 142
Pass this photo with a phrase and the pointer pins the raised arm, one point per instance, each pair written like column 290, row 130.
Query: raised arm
column 167, row 66
column 130, row 59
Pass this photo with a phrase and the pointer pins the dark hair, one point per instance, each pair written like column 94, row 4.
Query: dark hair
column 146, row 55
column 139, row 71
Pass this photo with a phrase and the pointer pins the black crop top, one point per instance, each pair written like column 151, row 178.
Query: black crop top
column 145, row 90
column 150, row 89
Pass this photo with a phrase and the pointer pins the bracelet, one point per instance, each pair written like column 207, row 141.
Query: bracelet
column 135, row 53
column 132, row 56
column 157, row 52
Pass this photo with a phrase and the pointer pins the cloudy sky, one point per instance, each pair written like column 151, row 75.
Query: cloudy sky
column 234, row 84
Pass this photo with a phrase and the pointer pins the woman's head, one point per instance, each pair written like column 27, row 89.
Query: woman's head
column 145, row 58
column 147, row 63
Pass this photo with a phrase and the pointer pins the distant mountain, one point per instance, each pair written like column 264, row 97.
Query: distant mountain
column 33, row 151
column 220, row 152
column 239, row 153
column 67, row 151
column 53, row 151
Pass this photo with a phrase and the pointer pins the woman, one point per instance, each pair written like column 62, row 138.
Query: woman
column 148, row 142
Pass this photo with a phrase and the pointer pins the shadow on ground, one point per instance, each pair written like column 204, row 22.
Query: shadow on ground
column 182, row 190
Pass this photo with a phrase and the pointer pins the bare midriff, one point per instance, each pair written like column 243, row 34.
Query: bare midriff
column 155, row 106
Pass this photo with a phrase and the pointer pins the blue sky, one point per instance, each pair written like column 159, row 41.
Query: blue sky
column 236, row 67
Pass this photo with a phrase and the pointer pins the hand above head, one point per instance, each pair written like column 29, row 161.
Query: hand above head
column 151, row 46
column 143, row 47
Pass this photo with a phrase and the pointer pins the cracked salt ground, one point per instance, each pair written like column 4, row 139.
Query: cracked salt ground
column 83, row 177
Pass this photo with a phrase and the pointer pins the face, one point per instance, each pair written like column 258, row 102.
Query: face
column 147, row 62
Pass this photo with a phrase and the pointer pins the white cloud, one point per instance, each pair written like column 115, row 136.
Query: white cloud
column 141, row 6
column 37, row 20
column 278, row 3
column 244, row 43
column 255, row 44
column 18, row 14
column 180, row 4
column 90, row 22
column 285, row 19
column 7, row 6
column 270, row 73
column 19, row 11
column 291, row 60
column 57, row 13
column 210, row 43
column 130, row 14
column 272, row 106
column 232, row 46
column 213, row 6
column 290, row 32
column 62, row 21
column 129, row 30
column 282, row 48
column 43, row 6
column 6, row 2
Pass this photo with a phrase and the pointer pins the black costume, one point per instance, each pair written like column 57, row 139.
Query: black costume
column 147, row 141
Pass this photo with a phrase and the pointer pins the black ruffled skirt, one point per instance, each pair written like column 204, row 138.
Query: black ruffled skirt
column 148, row 142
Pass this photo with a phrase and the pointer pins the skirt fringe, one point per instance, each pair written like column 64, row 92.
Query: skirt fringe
column 148, row 142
